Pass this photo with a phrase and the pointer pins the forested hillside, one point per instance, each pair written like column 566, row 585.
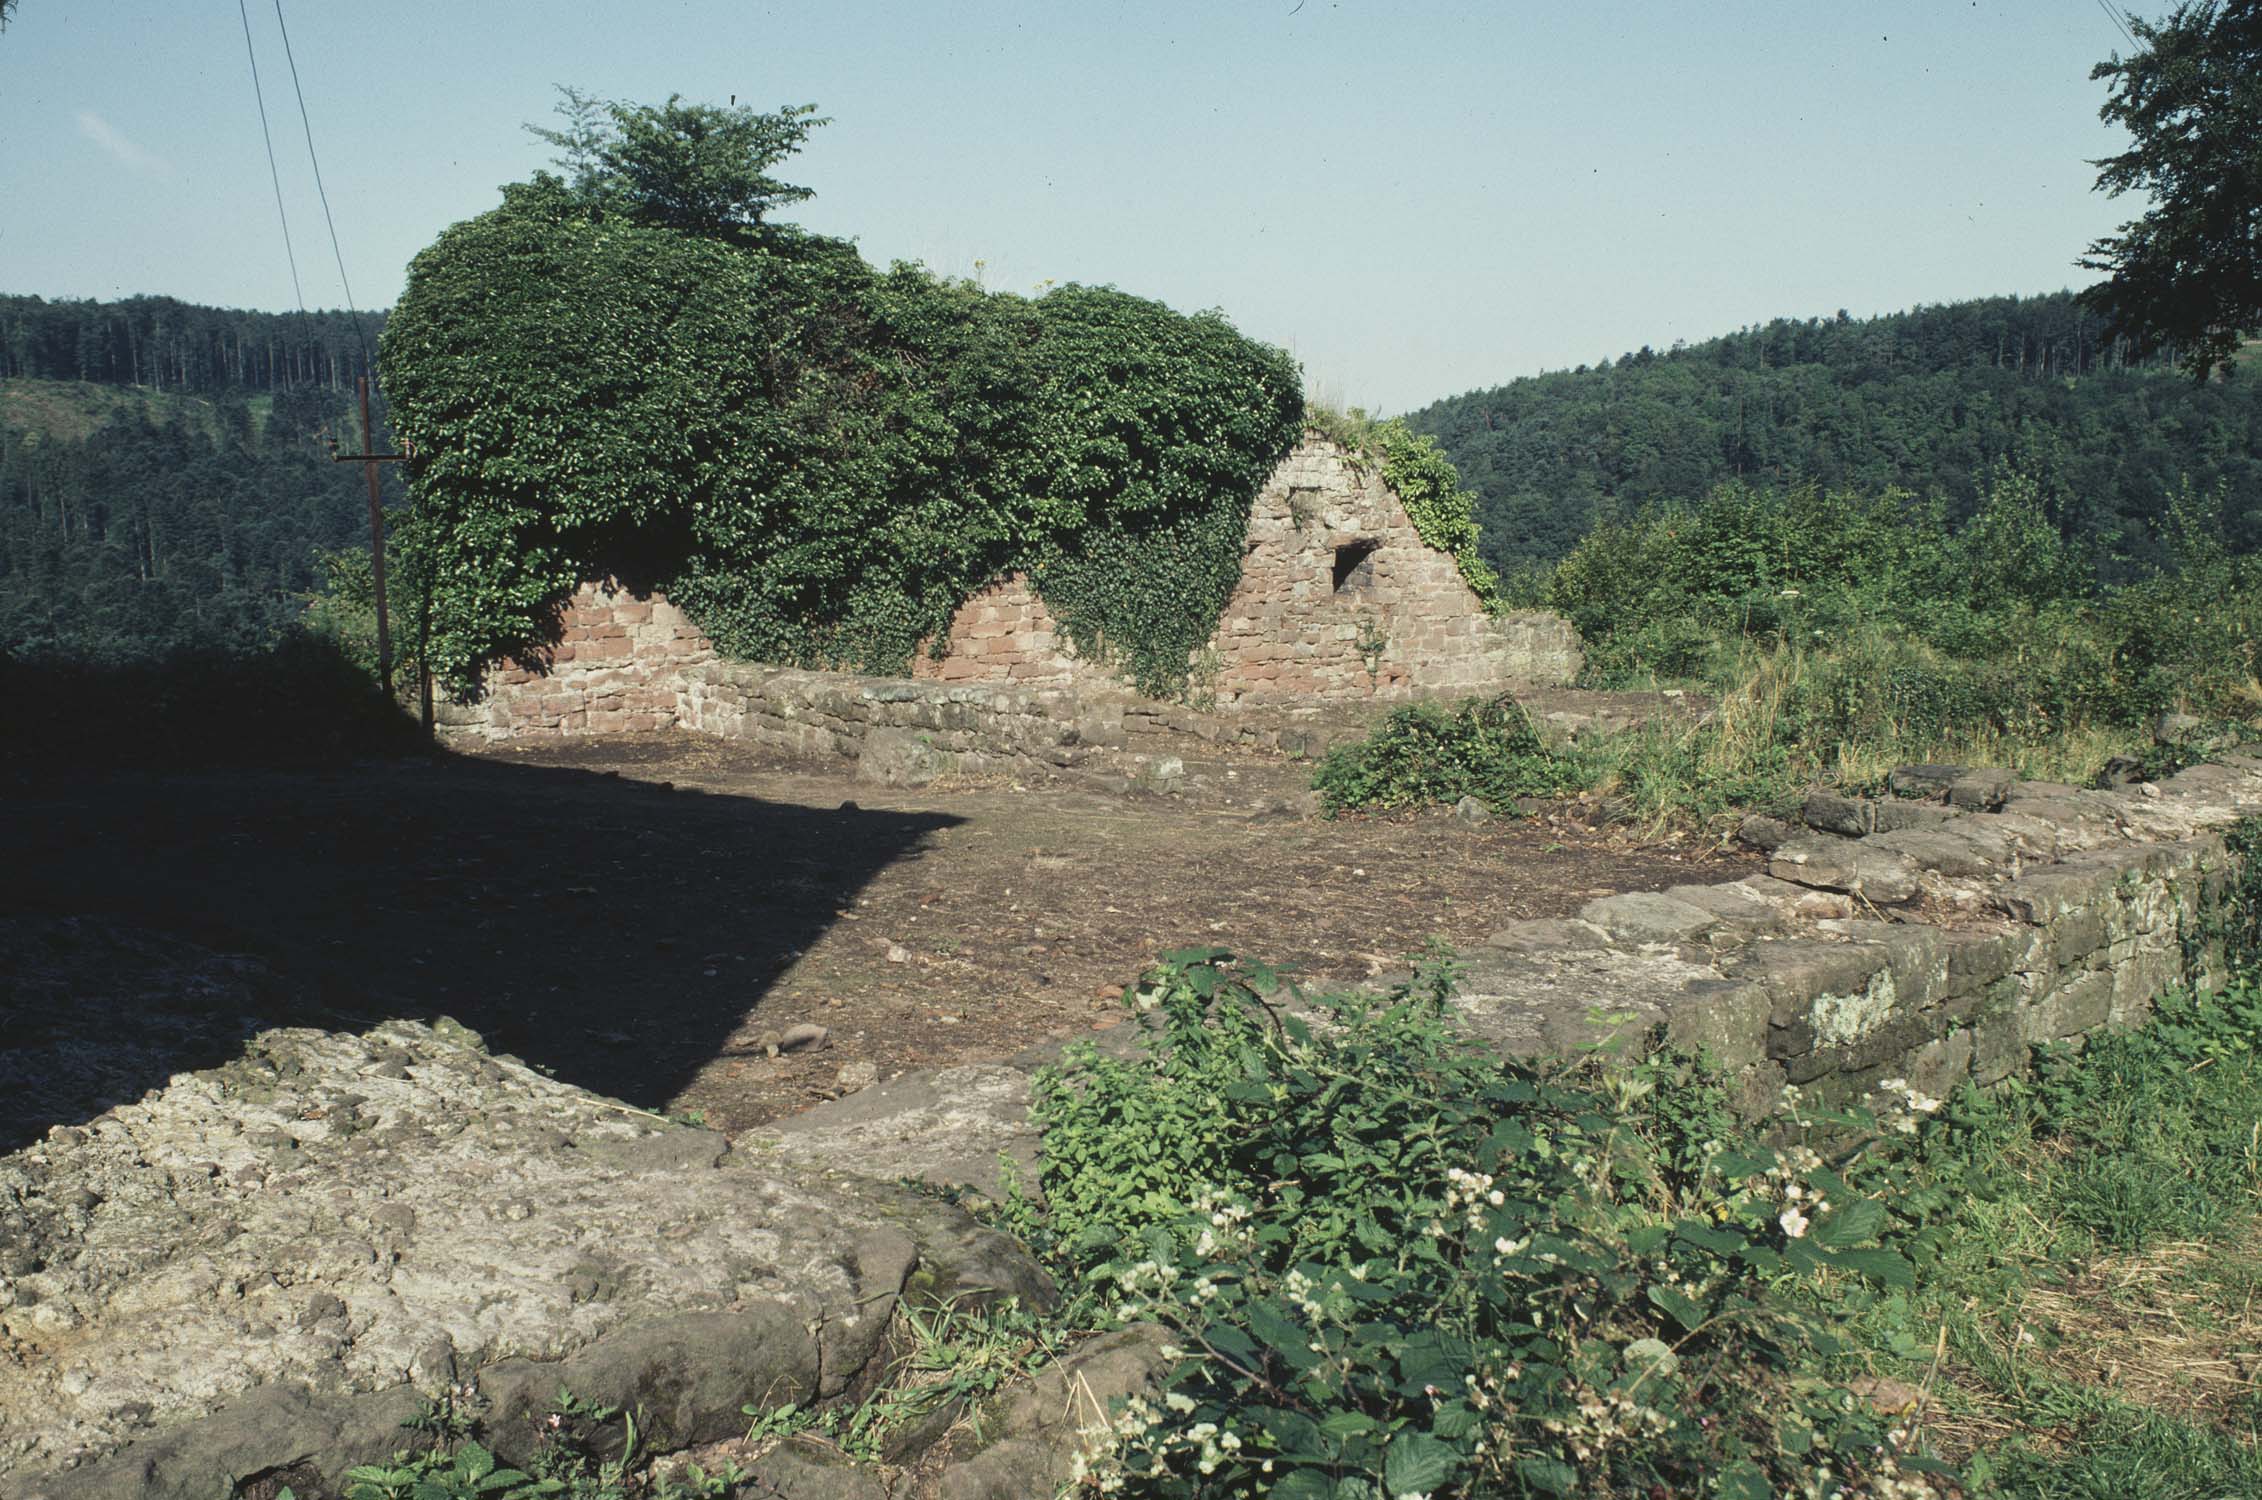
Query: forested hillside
column 1929, row 400
column 134, row 521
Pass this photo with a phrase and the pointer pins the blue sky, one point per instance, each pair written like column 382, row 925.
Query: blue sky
column 1416, row 199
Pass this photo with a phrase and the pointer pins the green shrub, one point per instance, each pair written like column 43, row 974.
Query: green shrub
column 1426, row 755
column 1397, row 1265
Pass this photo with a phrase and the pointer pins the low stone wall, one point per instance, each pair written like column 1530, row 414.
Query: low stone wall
column 615, row 668
column 894, row 729
column 1934, row 937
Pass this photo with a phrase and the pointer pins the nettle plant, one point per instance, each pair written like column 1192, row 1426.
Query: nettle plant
column 1395, row 1266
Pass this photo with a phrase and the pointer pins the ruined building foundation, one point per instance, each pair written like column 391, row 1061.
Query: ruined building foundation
column 1339, row 601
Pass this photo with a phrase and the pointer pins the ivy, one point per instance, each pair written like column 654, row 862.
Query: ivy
column 821, row 461
column 1443, row 513
column 1427, row 485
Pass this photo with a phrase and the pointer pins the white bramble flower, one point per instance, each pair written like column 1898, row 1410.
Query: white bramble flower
column 1794, row 1223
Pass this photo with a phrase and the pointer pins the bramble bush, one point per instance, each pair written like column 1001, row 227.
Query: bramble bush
column 1397, row 1266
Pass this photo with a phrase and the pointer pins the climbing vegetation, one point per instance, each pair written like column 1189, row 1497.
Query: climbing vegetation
column 819, row 459
column 1427, row 484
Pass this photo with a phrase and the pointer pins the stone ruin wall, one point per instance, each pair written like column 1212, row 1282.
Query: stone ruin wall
column 1339, row 601
column 616, row 667
column 1936, row 935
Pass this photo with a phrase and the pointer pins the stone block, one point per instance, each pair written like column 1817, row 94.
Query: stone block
column 1981, row 791
column 1851, row 865
column 2044, row 896
column 1851, row 817
column 1725, row 1020
column 1547, row 935
column 2140, row 981
column 1999, row 1048
column 1893, row 813
column 2077, row 1005
column 1943, row 849
column 1938, row 1066
column 1796, row 972
column 1975, row 960
column 2076, row 935
column 1926, row 780
column 1648, row 917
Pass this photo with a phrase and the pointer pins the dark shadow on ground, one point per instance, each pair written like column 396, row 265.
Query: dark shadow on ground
column 613, row 932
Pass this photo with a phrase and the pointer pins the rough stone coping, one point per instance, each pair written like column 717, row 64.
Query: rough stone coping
column 844, row 688
column 1935, row 938
column 266, row 1266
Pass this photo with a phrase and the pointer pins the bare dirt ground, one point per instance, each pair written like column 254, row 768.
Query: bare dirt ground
column 639, row 918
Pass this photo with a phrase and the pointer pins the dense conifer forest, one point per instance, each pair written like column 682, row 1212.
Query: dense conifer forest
column 163, row 482
column 1931, row 401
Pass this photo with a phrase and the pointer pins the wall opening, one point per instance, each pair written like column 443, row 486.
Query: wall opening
column 1354, row 565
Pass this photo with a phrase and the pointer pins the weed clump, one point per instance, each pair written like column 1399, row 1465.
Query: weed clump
column 1427, row 755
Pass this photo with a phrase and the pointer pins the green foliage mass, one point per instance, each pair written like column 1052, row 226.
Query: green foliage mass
column 134, row 523
column 2187, row 274
column 818, row 459
column 1928, row 401
column 1427, row 755
column 1401, row 1266
column 701, row 168
column 1998, row 625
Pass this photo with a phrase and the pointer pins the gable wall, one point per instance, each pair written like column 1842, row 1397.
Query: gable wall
column 1405, row 625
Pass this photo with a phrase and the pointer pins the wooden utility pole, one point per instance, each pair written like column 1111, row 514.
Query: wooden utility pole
column 369, row 458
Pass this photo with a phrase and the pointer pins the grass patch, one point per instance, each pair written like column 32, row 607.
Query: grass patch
column 2089, row 1251
column 1785, row 717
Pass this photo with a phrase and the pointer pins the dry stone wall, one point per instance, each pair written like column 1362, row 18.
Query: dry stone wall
column 1933, row 936
column 896, row 730
column 1339, row 602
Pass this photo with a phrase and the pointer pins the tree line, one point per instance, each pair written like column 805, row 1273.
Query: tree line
column 1932, row 401
column 174, row 522
column 170, row 345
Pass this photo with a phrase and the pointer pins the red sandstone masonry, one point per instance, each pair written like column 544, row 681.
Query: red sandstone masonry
column 616, row 669
column 1404, row 625
column 1401, row 625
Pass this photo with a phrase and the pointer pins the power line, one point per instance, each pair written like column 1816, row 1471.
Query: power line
column 273, row 175
column 2111, row 14
column 320, row 191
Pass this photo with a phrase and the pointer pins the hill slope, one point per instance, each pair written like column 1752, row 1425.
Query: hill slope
column 133, row 520
column 1930, row 400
